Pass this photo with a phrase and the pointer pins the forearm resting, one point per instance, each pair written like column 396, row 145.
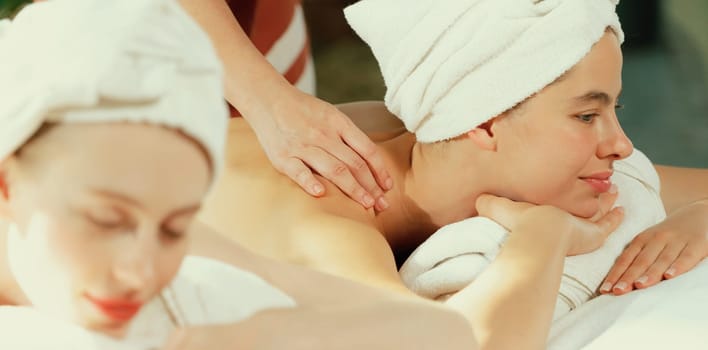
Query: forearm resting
column 510, row 305
column 382, row 325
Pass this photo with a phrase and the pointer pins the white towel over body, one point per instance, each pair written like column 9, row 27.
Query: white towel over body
column 205, row 292
column 672, row 314
column 455, row 255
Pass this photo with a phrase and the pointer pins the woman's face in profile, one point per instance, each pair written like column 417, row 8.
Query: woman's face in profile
column 559, row 146
column 100, row 216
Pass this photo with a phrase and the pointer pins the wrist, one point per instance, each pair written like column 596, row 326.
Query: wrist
column 265, row 100
column 541, row 239
column 547, row 229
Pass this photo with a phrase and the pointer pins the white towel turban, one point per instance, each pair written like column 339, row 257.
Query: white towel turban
column 451, row 65
column 85, row 61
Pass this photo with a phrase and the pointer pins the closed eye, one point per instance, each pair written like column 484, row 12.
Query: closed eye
column 106, row 218
column 107, row 225
column 172, row 234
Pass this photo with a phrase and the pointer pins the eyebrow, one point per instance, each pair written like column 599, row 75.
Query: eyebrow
column 592, row 96
column 133, row 202
column 186, row 210
column 118, row 196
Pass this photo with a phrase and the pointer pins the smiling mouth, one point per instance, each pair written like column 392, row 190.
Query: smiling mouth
column 119, row 310
column 600, row 185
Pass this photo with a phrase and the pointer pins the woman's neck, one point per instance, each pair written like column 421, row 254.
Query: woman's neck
column 428, row 191
column 10, row 292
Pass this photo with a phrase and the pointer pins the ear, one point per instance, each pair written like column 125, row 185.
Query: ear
column 483, row 136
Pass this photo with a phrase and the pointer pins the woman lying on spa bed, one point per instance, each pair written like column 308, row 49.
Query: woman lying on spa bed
column 103, row 166
column 538, row 128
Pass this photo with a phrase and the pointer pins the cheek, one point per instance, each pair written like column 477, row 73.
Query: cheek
column 47, row 260
column 80, row 251
column 168, row 262
column 544, row 167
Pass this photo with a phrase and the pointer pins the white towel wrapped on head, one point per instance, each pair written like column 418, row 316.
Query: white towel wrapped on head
column 450, row 66
column 88, row 61
column 453, row 257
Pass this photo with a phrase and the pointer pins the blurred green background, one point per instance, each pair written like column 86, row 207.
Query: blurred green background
column 665, row 71
column 9, row 7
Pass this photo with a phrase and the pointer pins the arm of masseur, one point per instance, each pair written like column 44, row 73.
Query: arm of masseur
column 673, row 246
column 298, row 132
column 332, row 313
column 525, row 276
column 510, row 305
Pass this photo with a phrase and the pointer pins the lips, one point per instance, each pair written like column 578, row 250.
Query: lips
column 121, row 310
column 600, row 181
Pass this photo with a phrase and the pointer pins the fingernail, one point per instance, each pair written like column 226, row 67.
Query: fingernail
column 620, row 286
column 317, row 189
column 606, row 287
column 670, row 272
column 389, row 184
column 382, row 203
column 613, row 189
column 620, row 209
column 642, row 280
column 368, row 201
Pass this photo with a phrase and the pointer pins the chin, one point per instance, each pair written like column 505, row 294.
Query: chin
column 96, row 323
column 113, row 331
column 583, row 208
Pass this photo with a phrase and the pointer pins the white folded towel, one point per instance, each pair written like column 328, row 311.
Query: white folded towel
column 449, row 66
column 205, row 292
column 453, row 257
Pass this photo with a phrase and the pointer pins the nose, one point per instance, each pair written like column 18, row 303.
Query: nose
column 614, row 143
column 134, row 269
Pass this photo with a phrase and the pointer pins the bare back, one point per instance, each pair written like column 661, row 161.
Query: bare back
column 268, row 213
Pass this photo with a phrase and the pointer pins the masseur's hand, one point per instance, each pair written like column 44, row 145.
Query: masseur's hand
column 302, row 134
column 580, row 235
column 663, row 251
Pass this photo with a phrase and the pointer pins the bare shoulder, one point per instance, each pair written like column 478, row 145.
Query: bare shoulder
column 243, row 150
column 347, row 248
column 317, row 241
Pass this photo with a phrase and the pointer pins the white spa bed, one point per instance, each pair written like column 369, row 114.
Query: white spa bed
column 670, row 315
